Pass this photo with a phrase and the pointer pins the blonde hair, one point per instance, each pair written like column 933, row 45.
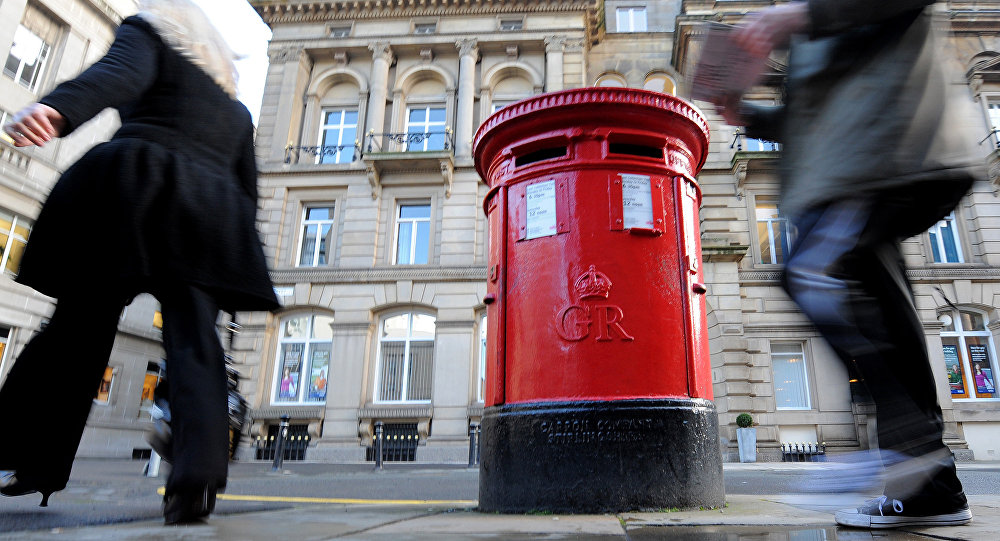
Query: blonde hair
column 184, row 27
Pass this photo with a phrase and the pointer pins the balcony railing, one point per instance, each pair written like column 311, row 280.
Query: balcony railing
column 436, row 141
column 742, row 143
column 992, row 135
column 323, row 153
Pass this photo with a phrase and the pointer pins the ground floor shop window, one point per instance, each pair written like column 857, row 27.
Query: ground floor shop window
column 405, row 358
column 304, row 354
column 791, row 385
column 969, row 354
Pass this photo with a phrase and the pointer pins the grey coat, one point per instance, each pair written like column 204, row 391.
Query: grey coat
column 869, row 108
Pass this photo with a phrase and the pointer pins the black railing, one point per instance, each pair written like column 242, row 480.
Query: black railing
column 992, row 135
column 434, row 141
column 740, row 140
column 803, row 452
column 398, row 442
column 294, row 448
column 339, row 153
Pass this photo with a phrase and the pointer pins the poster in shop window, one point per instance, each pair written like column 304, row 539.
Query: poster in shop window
column 954, row 366
column 320, row 370
column 981, row 369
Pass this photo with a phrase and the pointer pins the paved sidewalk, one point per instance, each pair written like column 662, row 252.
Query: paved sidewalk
column 745, row 517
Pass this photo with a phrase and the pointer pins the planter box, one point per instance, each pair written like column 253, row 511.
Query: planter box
column 747, row 440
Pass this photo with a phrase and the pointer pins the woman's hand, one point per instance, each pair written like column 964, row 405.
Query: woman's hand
column 36, row 124
column 766, row 30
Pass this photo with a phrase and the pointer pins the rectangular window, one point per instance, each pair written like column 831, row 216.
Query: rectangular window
column 413, row 234
column 103, row 395
column 14, row 232
column 759, row 145
column 338, row 136
column 425, row 128
column 340, row 31
column 511, row 25
column 631, row 19
column 945, row 245
column 424, row 28
column 154, row 373
column 317, row 236
column 791, row 388
column 773, row 233
column 31, row 48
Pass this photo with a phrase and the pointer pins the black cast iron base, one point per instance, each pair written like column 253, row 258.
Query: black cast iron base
column 597, row 457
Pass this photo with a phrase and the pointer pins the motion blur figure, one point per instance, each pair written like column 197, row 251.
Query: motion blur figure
column 174, row 195
column 873, row 151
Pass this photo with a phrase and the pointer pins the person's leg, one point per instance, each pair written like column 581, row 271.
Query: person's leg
column 47, row 395
column 846, row 273
column 197, row 397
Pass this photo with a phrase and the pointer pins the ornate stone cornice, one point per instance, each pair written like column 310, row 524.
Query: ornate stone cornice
column 555, row 44
column 383, row 274
column 279, row 12
column 286, row 54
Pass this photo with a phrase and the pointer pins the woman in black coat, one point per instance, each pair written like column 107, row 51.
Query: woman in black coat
column 173, row 197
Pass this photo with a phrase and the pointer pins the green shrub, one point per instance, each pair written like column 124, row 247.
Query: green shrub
column 744, row 420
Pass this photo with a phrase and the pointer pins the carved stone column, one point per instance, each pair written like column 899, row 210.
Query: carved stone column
column 379, row 88
column 294, row 64
column 554, row 50
column 468, row 56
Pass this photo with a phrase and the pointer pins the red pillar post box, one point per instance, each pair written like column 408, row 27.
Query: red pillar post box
column 599, row 382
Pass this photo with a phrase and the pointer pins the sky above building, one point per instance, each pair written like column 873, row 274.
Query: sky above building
column 247, row 34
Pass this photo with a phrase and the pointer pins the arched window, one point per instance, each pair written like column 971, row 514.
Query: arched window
column 660, row 82
column 969, row 355
column 611, row 80
column 405, row 358
column 303, row 368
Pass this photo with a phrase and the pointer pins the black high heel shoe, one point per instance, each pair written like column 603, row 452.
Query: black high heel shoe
column 12, row 486
column 187, row 506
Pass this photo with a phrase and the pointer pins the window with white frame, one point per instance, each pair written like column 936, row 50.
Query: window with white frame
column 316, row 243
column 4, row 118
column 31, row 48
column 773, row 232
column 969, row 354
column 154, row 373
column 425, row 128
column 413, row 233
column 993, row 111
column 338, row 136
column 945, row 244
column 511, row 24
column 481, row 380
column 305, row 348
column 405, row 358
column 791, row 384
column 631, row 19
column 103, row 395
column 424, row 28
column 14, row 231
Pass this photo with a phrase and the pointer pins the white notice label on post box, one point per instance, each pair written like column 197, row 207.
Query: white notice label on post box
column 637, row 201
column 541, row 209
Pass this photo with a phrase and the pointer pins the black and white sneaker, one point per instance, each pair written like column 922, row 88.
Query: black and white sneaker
column 883, row 512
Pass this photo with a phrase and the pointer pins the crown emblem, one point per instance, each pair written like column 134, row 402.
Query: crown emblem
column 593, row 284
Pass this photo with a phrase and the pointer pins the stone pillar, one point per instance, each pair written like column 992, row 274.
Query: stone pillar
column 294, row 65
column 379, row 86
column 468, row 56
column 554, row 47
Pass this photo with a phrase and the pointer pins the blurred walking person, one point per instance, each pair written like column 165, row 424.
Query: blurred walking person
column 173, row 196
column 873, row 151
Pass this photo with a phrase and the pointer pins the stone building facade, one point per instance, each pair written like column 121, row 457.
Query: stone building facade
column 372, row 219
column 371, row 215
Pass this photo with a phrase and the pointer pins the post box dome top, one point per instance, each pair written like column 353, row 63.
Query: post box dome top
column 592, row 108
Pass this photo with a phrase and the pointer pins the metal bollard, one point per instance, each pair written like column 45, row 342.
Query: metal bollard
column 473, row 444
column 279, row 451
column 379, row 443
